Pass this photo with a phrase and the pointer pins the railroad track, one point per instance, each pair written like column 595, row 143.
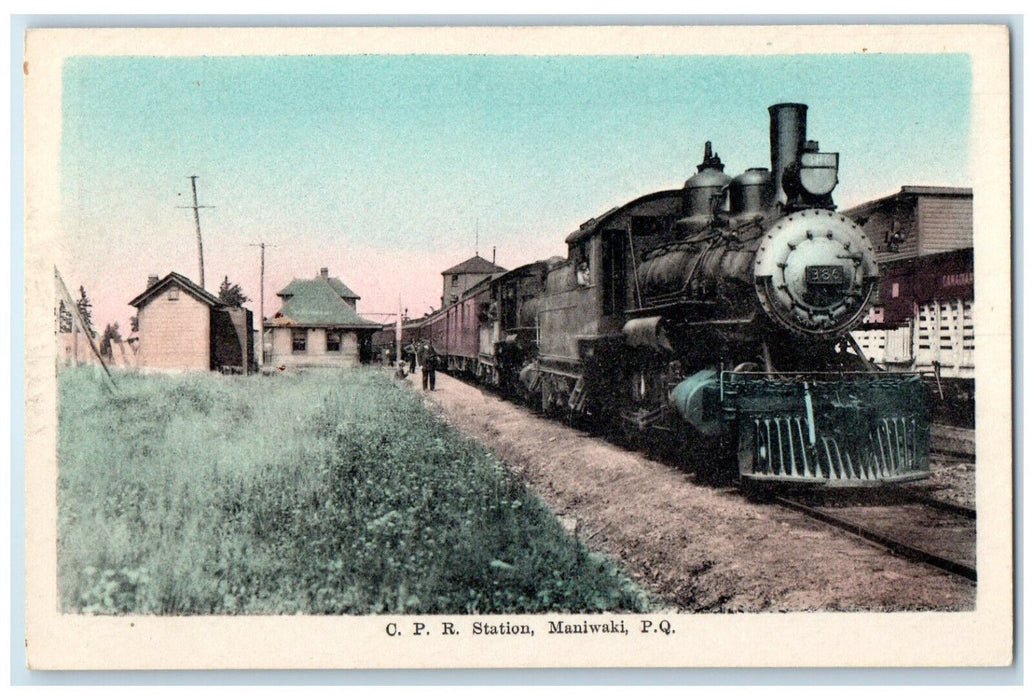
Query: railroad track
column 909, row 523
column 950, row 440
column 920, row 528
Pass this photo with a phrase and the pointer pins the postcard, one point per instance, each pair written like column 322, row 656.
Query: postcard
column 524, row 346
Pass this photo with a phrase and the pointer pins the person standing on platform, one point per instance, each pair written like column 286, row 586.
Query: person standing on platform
column 428, row 365
column 411, row 353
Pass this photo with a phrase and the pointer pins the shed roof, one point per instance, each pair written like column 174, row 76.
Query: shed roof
column 476, row 265
column 318, row 302
column 177, row 280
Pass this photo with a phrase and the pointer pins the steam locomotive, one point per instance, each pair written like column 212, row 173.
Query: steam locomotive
column 718, row 313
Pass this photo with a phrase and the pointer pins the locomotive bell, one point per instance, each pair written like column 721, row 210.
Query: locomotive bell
column 815, row 273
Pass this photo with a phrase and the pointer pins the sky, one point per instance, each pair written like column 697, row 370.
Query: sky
column 389, row 169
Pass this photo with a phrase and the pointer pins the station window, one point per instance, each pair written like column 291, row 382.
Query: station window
column 298, row 338
column 333, row 341
column 455, row 280
column 174, row 293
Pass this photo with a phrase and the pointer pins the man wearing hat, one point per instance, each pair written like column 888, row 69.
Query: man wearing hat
column 428, row 364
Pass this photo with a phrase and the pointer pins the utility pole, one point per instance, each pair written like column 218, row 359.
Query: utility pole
column 197, row 225
column 262, row 298
column 398, row 334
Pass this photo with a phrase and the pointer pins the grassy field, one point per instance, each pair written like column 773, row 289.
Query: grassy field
column 319, row 492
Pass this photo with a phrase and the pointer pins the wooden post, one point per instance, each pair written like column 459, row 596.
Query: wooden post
column 262, row 298
column 197, row 226
column 398, row 334
column 262, row 302
column 78, row 319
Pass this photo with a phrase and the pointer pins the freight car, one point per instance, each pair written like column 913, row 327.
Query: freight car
column 719, row 313
column 923, row 319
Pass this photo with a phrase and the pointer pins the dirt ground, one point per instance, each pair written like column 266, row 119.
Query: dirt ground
column 701, row 548
column 952, row 480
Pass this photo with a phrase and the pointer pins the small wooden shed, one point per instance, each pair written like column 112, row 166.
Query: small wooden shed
column 182, row 326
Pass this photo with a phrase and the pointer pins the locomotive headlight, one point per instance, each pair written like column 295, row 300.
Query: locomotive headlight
column 815, row 272
column 818, row 172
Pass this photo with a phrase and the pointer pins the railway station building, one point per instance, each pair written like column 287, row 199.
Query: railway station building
column 318, row 326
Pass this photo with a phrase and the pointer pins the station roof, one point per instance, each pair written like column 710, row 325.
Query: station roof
column 318, row 302
column 337, row 285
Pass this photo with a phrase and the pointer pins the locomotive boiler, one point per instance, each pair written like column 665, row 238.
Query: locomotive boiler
column 721, row 312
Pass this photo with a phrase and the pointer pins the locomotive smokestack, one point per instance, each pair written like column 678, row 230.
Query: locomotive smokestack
column 788, row 127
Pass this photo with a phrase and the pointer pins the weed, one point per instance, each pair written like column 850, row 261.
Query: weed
column 320, row 492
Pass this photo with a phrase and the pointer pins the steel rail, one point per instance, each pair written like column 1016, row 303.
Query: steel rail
column 964, row 511
column 953, row 442
column 906, row 550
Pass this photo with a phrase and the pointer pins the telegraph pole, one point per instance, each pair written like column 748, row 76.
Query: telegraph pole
column 262, row 298
column 197, row 225
column 398, row 334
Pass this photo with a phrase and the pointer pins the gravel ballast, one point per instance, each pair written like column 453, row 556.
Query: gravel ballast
column 701, row 548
